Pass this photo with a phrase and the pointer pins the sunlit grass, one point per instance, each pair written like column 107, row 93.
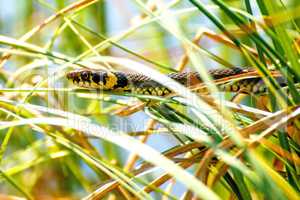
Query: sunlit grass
column 61, row 141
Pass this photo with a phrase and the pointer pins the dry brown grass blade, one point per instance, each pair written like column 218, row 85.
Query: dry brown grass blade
column 129, row 110
column 125, row 193
column 262, row 102
column 280, row 151
column 264, row 123
column 242, row 109
column 293, row 131
column 279, row 123
column 165, row 177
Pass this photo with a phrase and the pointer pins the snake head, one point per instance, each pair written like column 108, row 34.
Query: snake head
column 81, row 77
column 92, row 79
column 72, row 75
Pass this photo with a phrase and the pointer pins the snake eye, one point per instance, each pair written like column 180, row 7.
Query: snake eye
column 85, row 76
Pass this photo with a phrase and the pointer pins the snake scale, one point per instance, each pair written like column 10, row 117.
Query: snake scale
column 141, row 84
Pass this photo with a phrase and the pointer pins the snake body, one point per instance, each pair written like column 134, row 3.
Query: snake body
column 141, row 84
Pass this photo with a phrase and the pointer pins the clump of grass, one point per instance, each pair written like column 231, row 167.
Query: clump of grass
column 60, row 141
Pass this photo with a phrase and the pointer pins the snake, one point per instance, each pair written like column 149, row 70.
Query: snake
column 137, row 83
